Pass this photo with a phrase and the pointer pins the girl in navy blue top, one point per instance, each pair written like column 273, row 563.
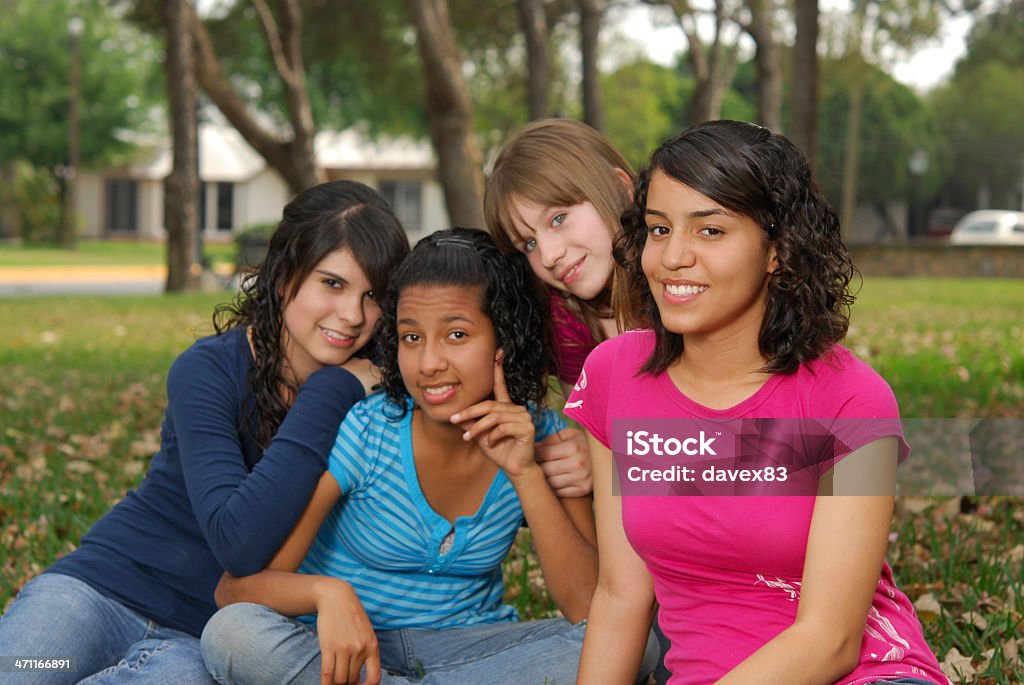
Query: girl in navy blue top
column 251, row 415
column 426, row 490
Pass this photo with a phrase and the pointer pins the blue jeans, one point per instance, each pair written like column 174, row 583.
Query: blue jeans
column 249, row 643
column 56, row 616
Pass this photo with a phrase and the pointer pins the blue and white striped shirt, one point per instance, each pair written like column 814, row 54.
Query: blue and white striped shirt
column 385, row 539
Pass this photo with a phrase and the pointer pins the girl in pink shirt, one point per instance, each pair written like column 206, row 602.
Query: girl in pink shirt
column 740, row 263
column 555, row 194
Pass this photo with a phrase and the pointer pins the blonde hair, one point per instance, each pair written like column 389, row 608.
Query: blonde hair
column 562, row 162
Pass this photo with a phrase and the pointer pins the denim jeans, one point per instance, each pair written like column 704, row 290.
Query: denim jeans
column 249, row 643
column 56, row 616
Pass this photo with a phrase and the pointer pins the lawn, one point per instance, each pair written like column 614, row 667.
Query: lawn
column 81, row 391
column 104, row 253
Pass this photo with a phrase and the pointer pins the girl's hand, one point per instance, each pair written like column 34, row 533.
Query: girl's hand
column 366, row 372
column 347, row 638
column 565, row 459
column 504, row 430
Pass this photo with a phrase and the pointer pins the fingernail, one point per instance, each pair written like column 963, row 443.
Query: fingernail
column 465, row 436
column 454, row 418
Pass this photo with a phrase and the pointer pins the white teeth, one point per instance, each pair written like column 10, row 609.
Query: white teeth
column 438, row 390
column 334, row 335
column 685, row 289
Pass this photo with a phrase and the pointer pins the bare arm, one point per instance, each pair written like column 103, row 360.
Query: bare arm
column 563, row 533
column 623, row 605
column 845, row 551
column 277, row 586
column 562, row 529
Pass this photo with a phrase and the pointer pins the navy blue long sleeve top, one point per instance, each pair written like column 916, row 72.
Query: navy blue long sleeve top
column 212, row 500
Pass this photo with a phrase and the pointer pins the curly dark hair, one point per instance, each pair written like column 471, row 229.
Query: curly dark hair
column 469, row 257
column 318, row 221
column 762, row 175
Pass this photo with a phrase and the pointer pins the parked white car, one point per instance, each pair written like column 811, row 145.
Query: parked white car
column 989, row 227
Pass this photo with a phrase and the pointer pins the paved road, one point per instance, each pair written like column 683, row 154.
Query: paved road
column 82, row 280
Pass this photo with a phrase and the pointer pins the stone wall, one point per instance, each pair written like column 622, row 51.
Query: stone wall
column 934, row 259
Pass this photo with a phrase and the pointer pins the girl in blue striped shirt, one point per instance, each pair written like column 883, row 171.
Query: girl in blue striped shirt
column 426, row 488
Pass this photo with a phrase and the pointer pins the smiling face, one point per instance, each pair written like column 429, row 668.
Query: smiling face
column 569, row 248
column 707, row 267
column 446, row 348
column 331, row 316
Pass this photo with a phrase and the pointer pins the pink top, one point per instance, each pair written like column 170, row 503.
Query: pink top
column 572, row 340
column 727, row 570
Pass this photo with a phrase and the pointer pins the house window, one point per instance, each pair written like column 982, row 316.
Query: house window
column 225, row 206
column 405, row 198
column 122, row 205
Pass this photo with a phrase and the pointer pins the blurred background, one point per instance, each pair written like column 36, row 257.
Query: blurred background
column 190, row 124
column 147, row 147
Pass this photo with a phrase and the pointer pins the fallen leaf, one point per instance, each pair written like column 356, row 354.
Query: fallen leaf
column 79, row 466
column 1010, row 649
column 958, row 667
column 975, row 619
column 928, row 607
column 915, row 505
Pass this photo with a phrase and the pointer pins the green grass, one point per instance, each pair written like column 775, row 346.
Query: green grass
column 103, row 253
column 949, row 348
column 82, row 396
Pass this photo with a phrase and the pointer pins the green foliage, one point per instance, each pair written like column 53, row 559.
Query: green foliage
column 642, row 106
column 979, row 112
column 118, row 75
column 645, row 103
column 895, row 124
column 490, row 38
column 34, row 193
column 997, row 36
column 739, row 101
column 361, row 64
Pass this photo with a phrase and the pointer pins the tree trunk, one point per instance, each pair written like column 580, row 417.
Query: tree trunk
column 293, row 158
column 69, row 187
column 851, row 160
column 10, row 214
column 713, row 66
column 538, row 75
column 590, row 27
column 449, row 113
column 804, row 98
column 768, row 61
column 181, row 187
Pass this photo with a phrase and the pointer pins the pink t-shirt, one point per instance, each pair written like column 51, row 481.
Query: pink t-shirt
column 572, row 339
column 727, row 570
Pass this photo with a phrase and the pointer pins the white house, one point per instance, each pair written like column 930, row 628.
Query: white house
column 239, row 189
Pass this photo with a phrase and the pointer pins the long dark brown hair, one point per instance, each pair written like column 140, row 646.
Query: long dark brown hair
column 318, row 221
column 762, row 175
